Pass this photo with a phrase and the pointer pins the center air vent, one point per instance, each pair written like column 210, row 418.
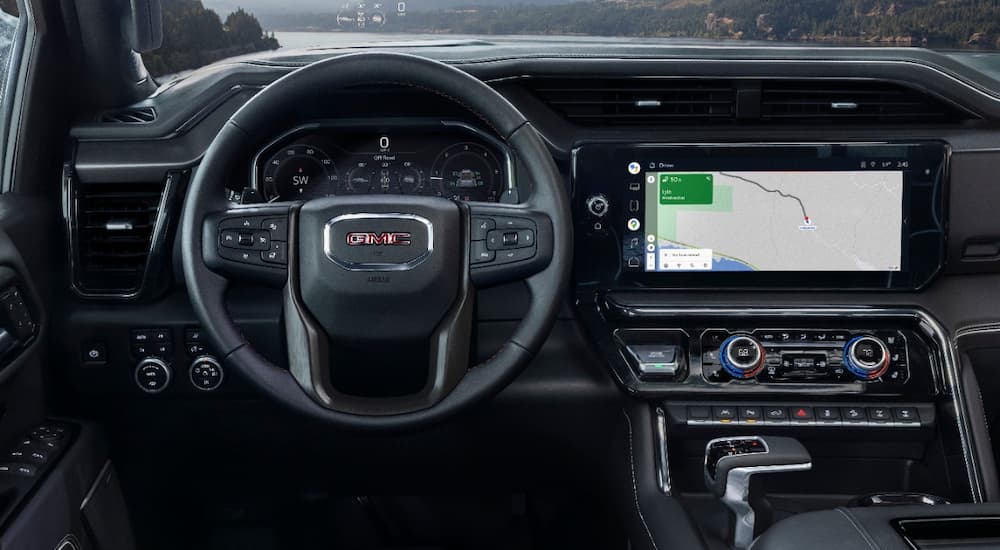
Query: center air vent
column 114, row 226
column 695, row 102
column 591, row 102
column 852, row 100
column 130, row 115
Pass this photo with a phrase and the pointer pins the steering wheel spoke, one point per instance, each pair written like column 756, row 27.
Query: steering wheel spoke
column 507, row 243
column 248, row 244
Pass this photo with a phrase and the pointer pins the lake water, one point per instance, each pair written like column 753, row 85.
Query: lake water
column 293, row 40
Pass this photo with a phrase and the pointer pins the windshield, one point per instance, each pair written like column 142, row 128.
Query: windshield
column 199, row 32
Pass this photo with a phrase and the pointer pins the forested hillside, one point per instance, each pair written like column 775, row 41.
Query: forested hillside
column 194, row 36
column 939, row 23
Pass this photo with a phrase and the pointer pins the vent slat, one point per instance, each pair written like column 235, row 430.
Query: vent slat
column 130, row 115
column 870, row 101
column 685, row 101
column 114, row 261
column 638, row 102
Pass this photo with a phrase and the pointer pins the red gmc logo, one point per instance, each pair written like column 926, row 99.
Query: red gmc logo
column 394, row 238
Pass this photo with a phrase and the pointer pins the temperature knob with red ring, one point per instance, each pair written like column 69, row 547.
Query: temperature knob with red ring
column 741, row 356
column 866, row 357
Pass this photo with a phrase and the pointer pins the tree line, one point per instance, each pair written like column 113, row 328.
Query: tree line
column 194, row 36
column 937, row 23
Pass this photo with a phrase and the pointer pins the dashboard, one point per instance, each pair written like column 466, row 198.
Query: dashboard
column 439, row 159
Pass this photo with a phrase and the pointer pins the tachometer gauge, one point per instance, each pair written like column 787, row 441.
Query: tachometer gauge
column 468, row 172
column 298, row 172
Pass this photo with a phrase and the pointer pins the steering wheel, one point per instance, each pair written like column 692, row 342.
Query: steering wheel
column 371, row 281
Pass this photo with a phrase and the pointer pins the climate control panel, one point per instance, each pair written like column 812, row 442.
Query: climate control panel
column 804, row 355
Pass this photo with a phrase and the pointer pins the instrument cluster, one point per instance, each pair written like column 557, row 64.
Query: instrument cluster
column 451, row 161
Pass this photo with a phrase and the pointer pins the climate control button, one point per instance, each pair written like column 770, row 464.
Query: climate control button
column 741, row 356
column 866, row 357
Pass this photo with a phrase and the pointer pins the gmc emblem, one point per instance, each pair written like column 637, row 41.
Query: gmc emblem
column 392, row 238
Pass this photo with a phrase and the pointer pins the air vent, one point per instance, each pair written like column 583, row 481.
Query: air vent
column 131, row 115
column 113, row 235
column 851, row 101
column 625, row 101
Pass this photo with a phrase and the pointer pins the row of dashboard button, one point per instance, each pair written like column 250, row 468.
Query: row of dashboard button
column 501, row 240
column 850, row 415
column 257, row 240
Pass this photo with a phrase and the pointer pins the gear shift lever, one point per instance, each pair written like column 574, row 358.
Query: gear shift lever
column 731, row 461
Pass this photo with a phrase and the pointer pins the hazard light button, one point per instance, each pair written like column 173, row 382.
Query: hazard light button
column 801, row 414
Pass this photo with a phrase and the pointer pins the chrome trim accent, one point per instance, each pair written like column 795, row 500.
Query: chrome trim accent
column 101, row 476
column 662, row 458
column 928, row 323
column 738, row 493
column 118, row 226
column 844, row 106
column 158, row 362
column 868, row 366
column 206, row 359
column 375, row 266
column 981, row 328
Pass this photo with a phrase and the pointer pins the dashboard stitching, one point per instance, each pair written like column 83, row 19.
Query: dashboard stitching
column 635, row 490
column 864, row 534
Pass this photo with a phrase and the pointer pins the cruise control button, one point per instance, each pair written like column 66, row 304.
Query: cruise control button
column 278, row 254
column 504, row 223
column 480, row 254
column 277, row 228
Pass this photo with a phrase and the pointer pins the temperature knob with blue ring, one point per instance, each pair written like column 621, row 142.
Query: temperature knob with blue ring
column 741, row 356
column 866, row 357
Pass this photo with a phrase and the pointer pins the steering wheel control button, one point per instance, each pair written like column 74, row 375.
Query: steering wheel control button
column 598, row 205
column 866, row 357
column 242, row 256
column 205, row 373
column 245, row 223
column 481, row 254
column 152, row 375
column 741, row 356
column 278, row 254
column 503, row 240
column 481, row 227
column 277, row 228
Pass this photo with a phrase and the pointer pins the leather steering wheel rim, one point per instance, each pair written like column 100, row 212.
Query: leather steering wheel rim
column 261, row 116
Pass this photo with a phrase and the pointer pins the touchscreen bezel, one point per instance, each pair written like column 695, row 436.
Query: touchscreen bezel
column 602, row 169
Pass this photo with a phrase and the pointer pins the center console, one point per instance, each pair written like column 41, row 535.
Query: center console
column 872, row 392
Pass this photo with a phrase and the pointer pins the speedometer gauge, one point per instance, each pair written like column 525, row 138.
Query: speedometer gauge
column 299, row 172
column 468, row 172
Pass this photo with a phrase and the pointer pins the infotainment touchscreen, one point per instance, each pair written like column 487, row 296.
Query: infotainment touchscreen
column 855, row 215
column 773, row 220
